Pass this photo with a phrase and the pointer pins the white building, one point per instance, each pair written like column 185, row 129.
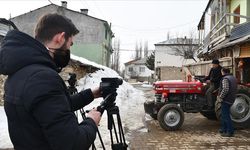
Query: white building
column 168, row 62
column 137, row 69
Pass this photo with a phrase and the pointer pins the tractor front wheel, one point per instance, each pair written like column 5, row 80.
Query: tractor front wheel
column 170, row 117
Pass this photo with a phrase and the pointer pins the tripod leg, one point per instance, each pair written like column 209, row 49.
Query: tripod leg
column 98, row 132
column 117, row 139
column 121, row 129
column 111, row 124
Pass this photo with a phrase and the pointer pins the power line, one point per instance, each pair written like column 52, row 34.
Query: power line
column 131, row 50
column 50, row 2
column 156, row 29
column 98, row 9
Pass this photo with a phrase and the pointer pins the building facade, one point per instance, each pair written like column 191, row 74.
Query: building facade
column 224, row 32
column 95, row 37
column 137, row 69
column 168, row 59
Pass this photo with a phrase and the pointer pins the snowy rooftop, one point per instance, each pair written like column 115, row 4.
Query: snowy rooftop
column 177, row 41
column 87, row 62
column 137, row 61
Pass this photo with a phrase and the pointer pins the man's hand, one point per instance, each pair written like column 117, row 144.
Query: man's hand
column 95, row 115
column 96, row 92
column 219, row 99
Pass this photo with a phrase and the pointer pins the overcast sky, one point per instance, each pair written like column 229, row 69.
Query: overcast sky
column 132, row 20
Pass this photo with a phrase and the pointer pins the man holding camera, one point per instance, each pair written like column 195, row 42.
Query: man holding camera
column 39, row 110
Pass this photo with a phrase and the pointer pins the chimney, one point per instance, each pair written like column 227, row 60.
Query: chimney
column 64, row 4
column 84, row 11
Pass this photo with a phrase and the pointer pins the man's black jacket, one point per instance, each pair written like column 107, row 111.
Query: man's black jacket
column 215, row 76
column 38, row 107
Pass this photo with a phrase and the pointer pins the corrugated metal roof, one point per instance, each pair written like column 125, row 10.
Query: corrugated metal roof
column 240, row 31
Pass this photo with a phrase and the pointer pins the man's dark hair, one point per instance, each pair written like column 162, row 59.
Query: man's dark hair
column 51, row 24
column 225, row 70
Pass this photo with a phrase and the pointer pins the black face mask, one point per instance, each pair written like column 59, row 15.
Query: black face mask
column 61, row 57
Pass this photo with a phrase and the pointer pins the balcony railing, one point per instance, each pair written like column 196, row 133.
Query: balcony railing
column 221, row 30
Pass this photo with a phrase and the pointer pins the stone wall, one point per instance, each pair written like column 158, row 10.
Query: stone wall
column 2, row 79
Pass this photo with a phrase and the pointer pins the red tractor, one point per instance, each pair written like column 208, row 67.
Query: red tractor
column 173, row 98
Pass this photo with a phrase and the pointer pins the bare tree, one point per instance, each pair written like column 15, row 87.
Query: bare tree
column 140, row 50
column 137, row 51
column 145, row 49
column 168, row 35
column 115, row 60
column 185, row 47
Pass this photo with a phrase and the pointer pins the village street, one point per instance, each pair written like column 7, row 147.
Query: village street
column 197, row 132
column 194, row 49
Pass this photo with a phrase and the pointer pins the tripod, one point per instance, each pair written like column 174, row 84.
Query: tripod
column 113, row 110
column 109, row 105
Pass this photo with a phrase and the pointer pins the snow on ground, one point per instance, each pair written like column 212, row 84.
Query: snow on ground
column 4, row 135
column 129, row 100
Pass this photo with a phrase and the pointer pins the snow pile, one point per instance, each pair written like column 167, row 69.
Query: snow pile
column 4, row 134
column 129, row 100
column 147, row 85
column 87, row 62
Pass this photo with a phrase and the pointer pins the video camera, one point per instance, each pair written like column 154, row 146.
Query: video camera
column 108, row 85
column 108, row 88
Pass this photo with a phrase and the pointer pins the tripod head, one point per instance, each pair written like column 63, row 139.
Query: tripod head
column 72, row 79
column 72, row 82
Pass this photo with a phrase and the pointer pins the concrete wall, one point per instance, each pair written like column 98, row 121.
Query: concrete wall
column 163, row 57
column 203, row 67
column 88, row 43
column 170, row 73
column 248, row 8
column 207, row 22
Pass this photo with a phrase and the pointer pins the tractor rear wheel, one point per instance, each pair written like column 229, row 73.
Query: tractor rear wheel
column 240, row 110
column 170, row 117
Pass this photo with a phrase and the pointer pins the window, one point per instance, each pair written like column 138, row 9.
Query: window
column 142, row 69
column 212, row 20
column 237, row 12
column 130, row 69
